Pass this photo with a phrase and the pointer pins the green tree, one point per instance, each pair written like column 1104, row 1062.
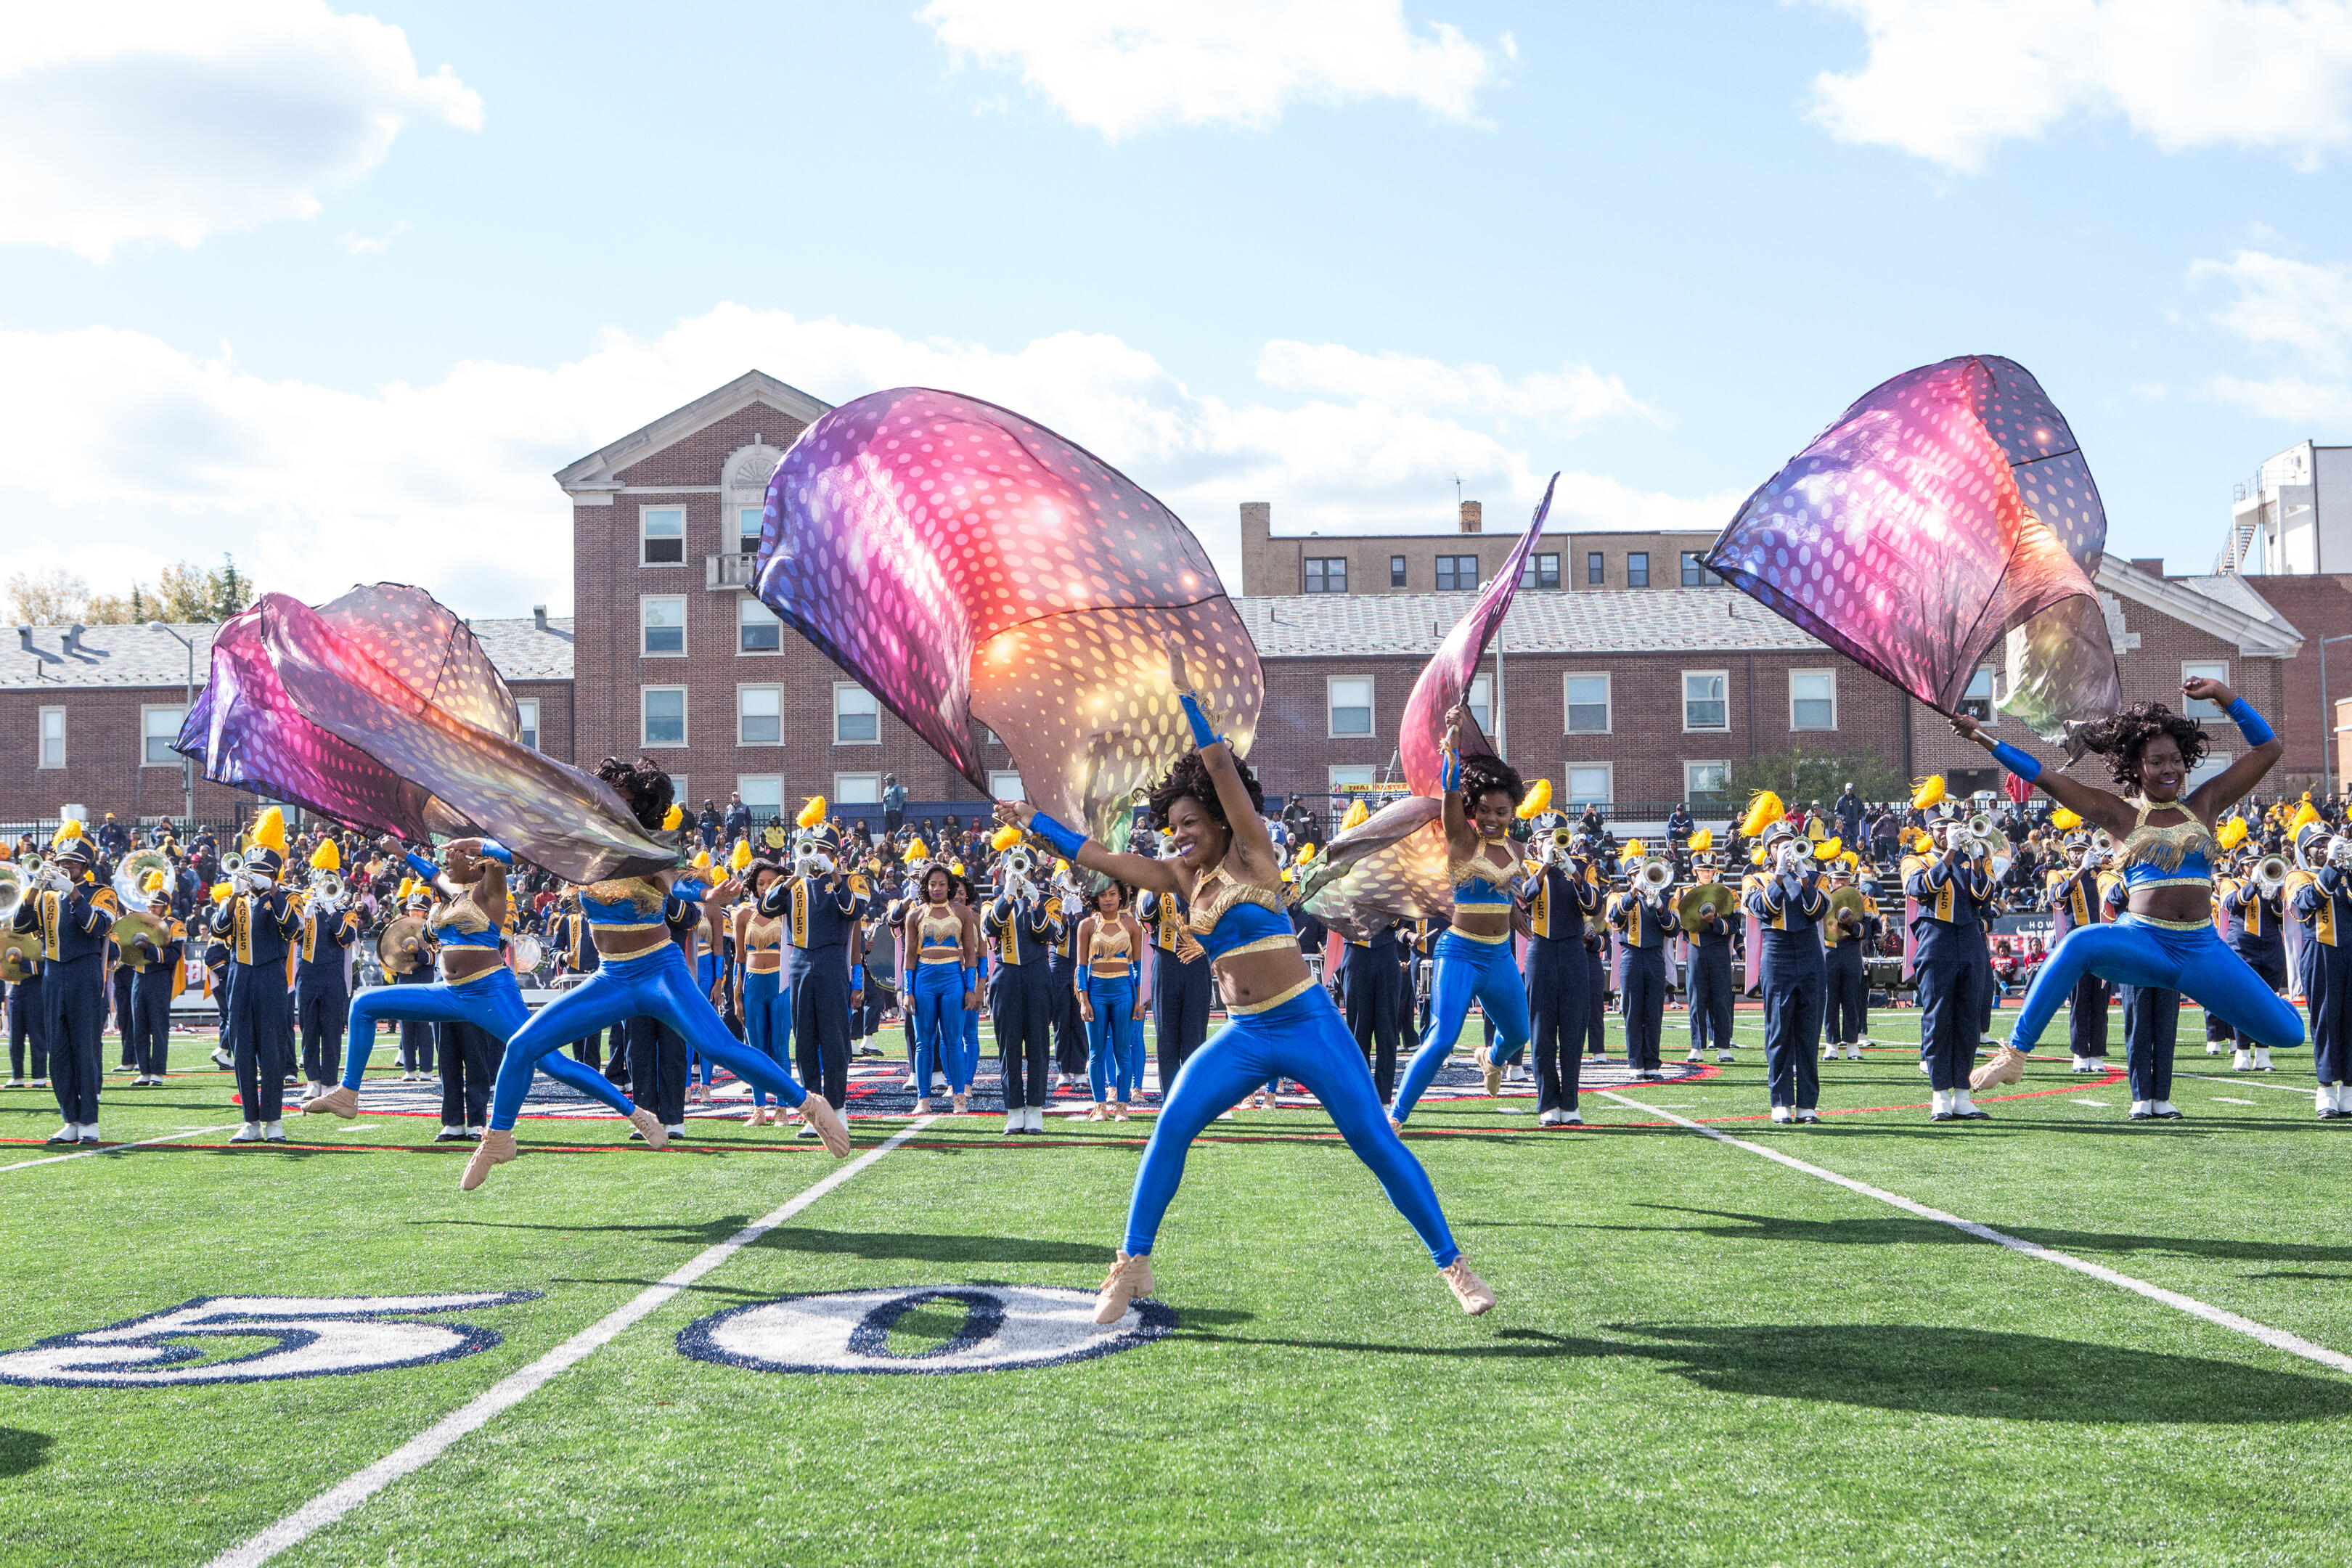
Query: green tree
column 230, row 591
column 1798, row 775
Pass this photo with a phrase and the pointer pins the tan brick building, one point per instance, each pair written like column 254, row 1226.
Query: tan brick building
column 1318, row 563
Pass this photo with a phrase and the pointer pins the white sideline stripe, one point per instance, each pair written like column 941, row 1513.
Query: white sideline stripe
column 2277, row 1338
column 517, row 1386
column 2243, row 1082
column 118, row 1148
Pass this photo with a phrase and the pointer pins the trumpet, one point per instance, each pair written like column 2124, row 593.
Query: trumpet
column 2339, row 851
column 130, row 877
column 327, row 892
column 1655, row 877
column 1558, row 849
column 232, row 870
column 2270, row 875
column 1794, row 858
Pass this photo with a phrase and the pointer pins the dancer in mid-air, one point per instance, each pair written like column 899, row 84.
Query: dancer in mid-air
column 2165, row 845
column 1281, row 1021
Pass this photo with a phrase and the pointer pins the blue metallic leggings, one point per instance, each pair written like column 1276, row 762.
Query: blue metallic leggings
column 492, row 1004
column 1304, row 1038
column 1465, row 969
column 654, row 985
column 2194, row 961
column 971, row 1024
column 767, row 1021
column 1114, row 1040
column 937, row 999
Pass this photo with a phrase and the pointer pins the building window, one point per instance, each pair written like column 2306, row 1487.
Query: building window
column 681, row 792
column 1637, row 569
column 1594, row 576
column 1588, row 784
column 1705, row 705
column 2212, row 767
column 1456, row 573
column 759, row 715
column 2218, row 669
column 1354, row 777
column 1005, row 784
column 1479, row 699
column 757, row 629
column 527, row 722
column 1812, row 699
column 1696, row 574
column 1540, row 572
column 661, row 627
column 1704, row 779
column 857, row 717
column 1396, row 572
column 747, row 528
column 158, row 728
column 857, row 789
column 1588, row 704
column 1977, row 700
column 53, row 737
column 662, row 535
column 1326, row 574
column 763, row 796
column 664, row 716
column 1349, row 705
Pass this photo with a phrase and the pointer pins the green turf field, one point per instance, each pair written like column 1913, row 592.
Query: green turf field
column 1700, row 1355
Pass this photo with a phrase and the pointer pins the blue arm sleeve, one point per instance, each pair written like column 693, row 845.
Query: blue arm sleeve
column 1068, row 840
column 2251, row 724
column 421, row 866
column 497, row 852
column 2018, row 762
column 858, row 977
column 1204, row 734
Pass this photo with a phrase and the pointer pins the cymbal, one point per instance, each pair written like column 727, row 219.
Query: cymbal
column 128, row 929
column 1700, row 896
column 392, row 944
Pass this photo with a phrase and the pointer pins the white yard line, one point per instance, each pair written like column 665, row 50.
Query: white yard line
column 515, row 1388
column 2239, row 1081
column 2277, row 1338
column 118, row 1148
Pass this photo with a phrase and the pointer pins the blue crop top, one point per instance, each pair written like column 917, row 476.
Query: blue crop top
column 2178, row 855
column 1230, row 917
column 629, row 901
column 1479, row 883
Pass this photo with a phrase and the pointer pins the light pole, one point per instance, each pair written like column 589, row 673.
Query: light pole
column 187, row 765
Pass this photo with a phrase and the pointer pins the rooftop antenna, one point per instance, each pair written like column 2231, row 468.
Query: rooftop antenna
column 1457, row 490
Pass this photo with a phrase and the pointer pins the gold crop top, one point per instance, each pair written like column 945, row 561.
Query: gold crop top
column 2178, row 856
column 764, row 944
column 1108, row 953
column 941, row 937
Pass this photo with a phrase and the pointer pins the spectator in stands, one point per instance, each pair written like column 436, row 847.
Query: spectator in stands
column 1679, row 827
column 1885, row 835
column 1849, row 814
column 894, row 804
column 707, row 823
column 739, row 819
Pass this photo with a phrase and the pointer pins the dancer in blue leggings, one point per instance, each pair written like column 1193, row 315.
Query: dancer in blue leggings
column 476, row 985
column 762, row 1000
column 1281, row 1021
column 2166, row 844
column 1109, row 943
column 642, row 973
column 942, row 941
column 1475, row 961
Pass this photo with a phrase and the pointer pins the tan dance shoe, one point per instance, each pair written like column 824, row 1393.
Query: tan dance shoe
column 1119, row 1112
column 644, row 1121
column 1488, row 1068
column 961, row 1102
column 1129, row 1278
column 2007, row 1065
column 495, row 1149
column 819, row 1113
column 1467, row 1288
column 340, row 1100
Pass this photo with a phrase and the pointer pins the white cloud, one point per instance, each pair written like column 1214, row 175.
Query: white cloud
column 1121, row 66
column 1949, row 82
column 135, row 120
column 372, row 244
column 1575, row 397
column 122, row 452
column 2297, row 315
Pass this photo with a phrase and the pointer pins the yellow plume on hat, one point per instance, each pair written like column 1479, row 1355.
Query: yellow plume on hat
column 917, row 850
column 220, row 893
column 326, row 857
column 1539, row 798
column 1928, row 792
column 270, row 833
column 1633, row 849
column 1850, row 860
column 2232, row 834
column 702, row 861
column 1764, row 809
column 1358, row 815
column 813, row 812
column 154, row 883
column 956, row 867
column 741, row 860
column 1702, row 841
column 1756, row 855
column 2066, row 821
column 672, row 817
column 1004, row 838
column 1306, row 853
column 2303, row 814
column 1827, row 849
column 66, row 834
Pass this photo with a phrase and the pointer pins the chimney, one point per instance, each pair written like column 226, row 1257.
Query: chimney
column 25, row 638
column 2151, row 564
column 1257, row 520
column 538, row 616
column 1472, row 517
column 73, row 639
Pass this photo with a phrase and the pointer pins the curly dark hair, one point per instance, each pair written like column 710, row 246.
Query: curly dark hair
column 1483, row 773
column 1190, row 778
column 643, row 785
column 2123, row 738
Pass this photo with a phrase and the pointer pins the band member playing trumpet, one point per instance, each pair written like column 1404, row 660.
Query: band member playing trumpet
column 1789, row 904
column 1474, row 956
column 1644, row 918
column 1560, row 896
column 258, row 920
column 1024, row 927
column 71, row 911
column 2326, row 902
column 155, row 980
column 322, row 991
column 2077, row 895
column 1850, row 933
column 1708, row 983
column 1948, row 887
column 2252, row 910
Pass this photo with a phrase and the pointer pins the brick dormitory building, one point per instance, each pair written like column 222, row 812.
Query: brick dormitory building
column 1624, row 672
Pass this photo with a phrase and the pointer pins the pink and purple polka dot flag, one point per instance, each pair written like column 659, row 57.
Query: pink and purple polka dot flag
column 1948, row 511
column 970, row 569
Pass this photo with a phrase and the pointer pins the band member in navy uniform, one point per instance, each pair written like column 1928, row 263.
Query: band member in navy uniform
column 259, row 920
column 22, row 972
column 1597, row 995
column 1708, row 984
column 322, row 987
column 71, row 922
column 1951, row 893
column 1847, row 938
column 1069, row 1029
column 118, row 987
column 820, row 904
column 2326, row 902
column 2250, row 920
column 1373, row 997
column 153, row 983
column 1787, row 902
column 2077, row 898
column 1561, row 899
column 1642, row 920
column 1180, row 984
column 1023, row 927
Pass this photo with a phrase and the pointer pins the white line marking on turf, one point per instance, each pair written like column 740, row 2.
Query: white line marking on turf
column 118, row 1148
column 2225, row 1100
column 2102, row 1104
column 2244, row 1083
column 515, row 1388
column 2277, row 1338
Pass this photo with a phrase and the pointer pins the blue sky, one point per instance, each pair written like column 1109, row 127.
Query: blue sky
column 337, row 289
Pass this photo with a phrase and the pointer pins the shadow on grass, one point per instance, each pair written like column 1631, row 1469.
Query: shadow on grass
column 1932, row 1371
column 21, row 1450
column 702, row 1232
column 934, row 1248
column 1876, row 1231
